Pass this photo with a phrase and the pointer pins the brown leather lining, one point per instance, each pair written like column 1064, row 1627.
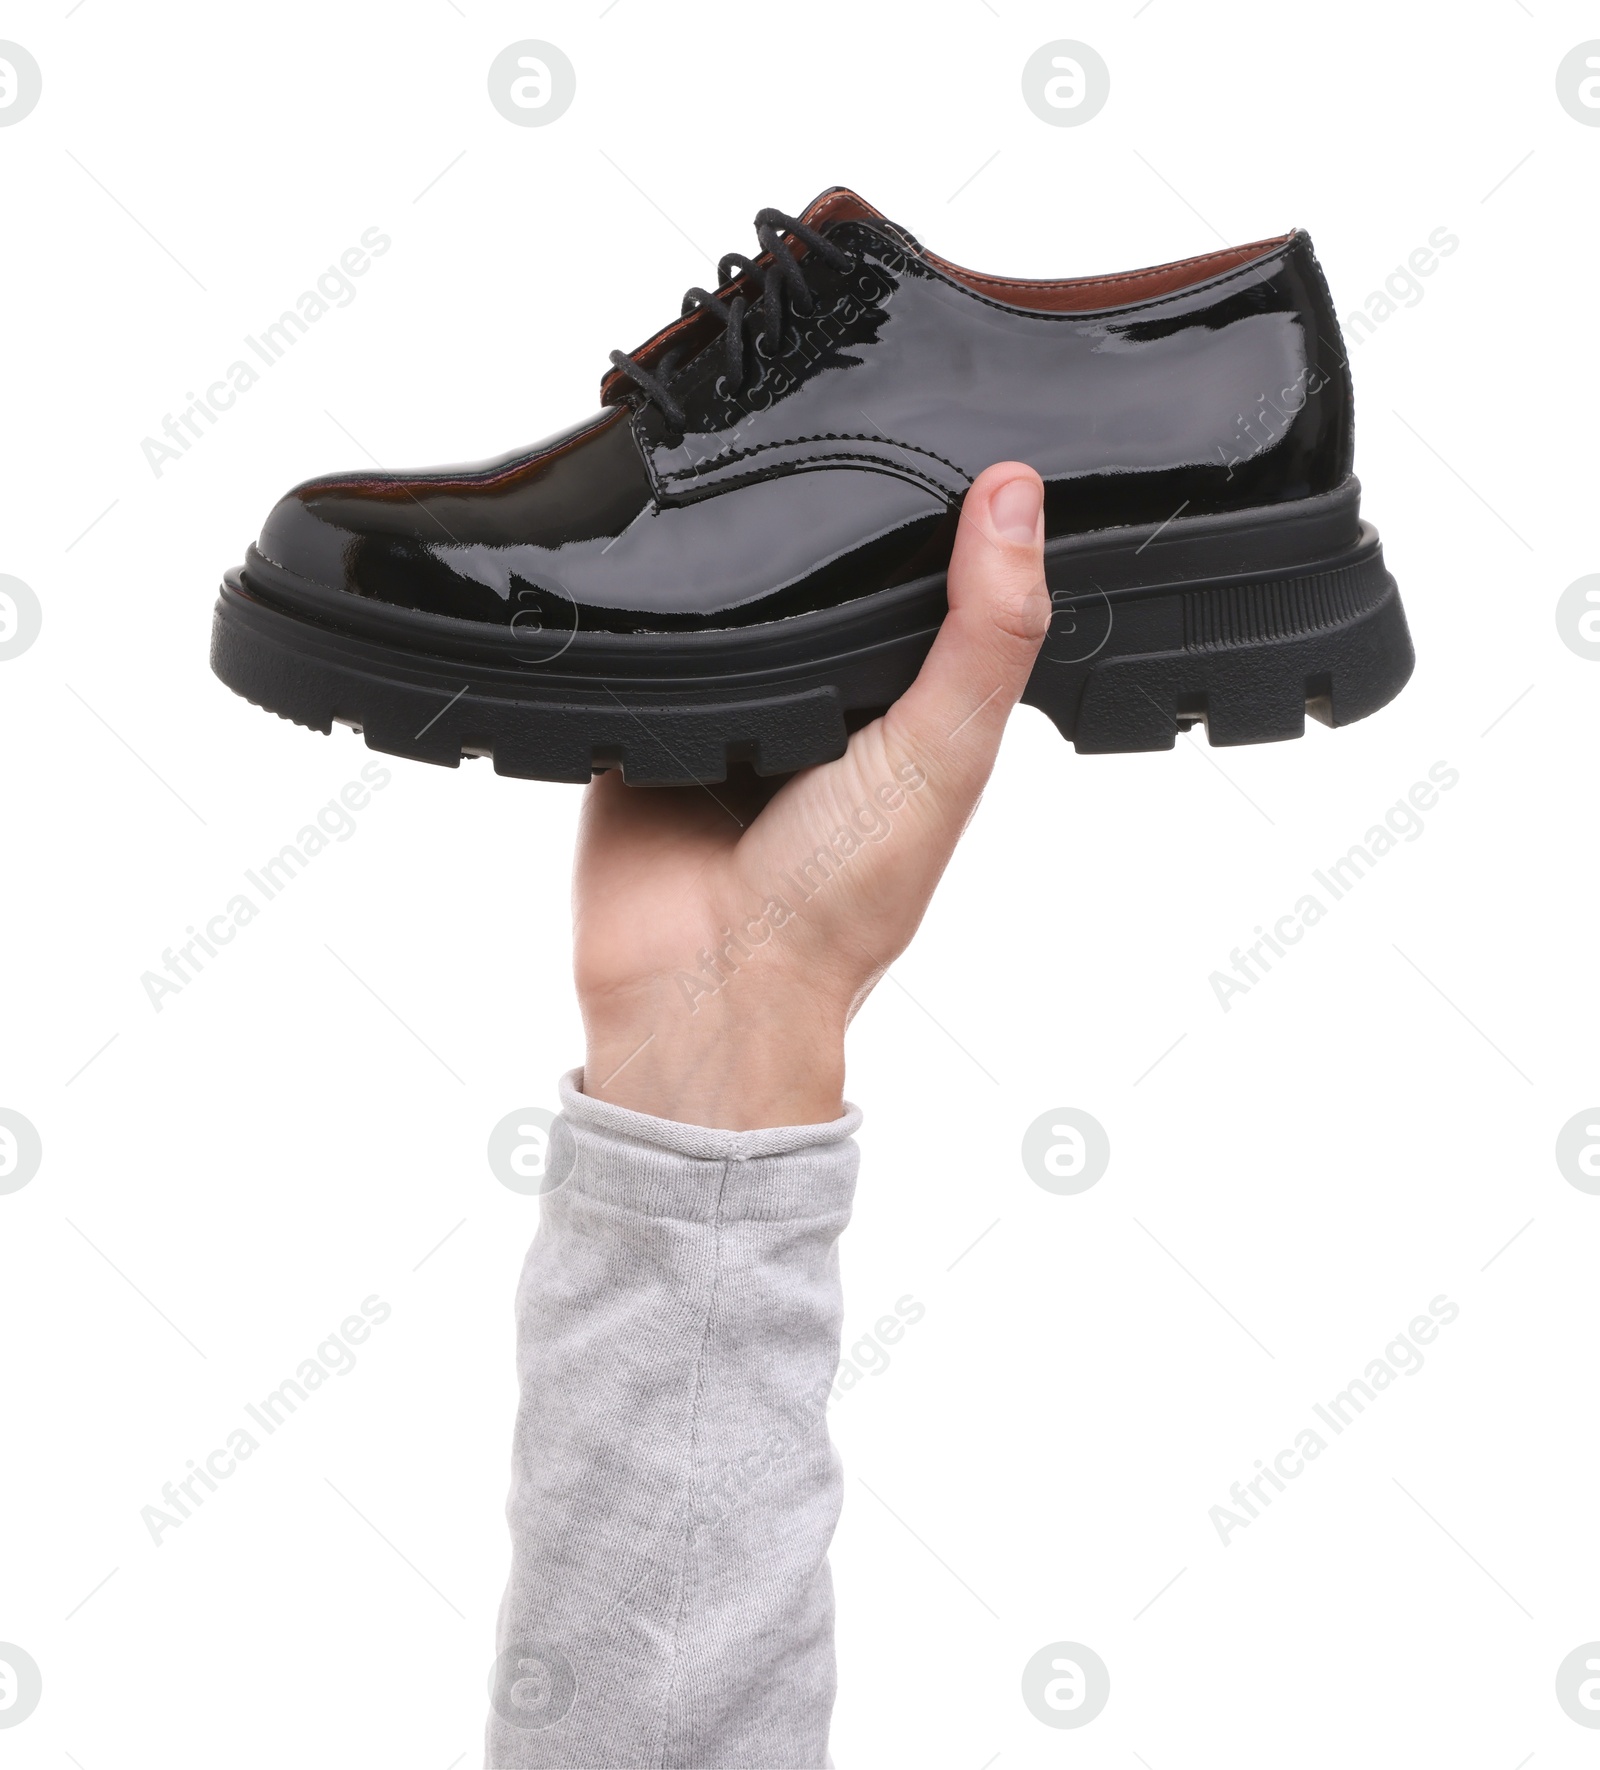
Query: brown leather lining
column 1064, row 294
column 1081, row 294
column 840, row 204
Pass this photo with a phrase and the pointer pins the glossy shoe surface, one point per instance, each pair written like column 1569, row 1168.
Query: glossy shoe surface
column 761, row 515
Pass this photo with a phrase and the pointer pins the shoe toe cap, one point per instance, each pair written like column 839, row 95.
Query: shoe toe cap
column 301, row 537
column 385, row 540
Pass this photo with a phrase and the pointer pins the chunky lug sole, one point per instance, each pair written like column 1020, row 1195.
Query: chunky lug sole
column 1243, row 623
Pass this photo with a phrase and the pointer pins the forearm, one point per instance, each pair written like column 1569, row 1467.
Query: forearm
column 673, row 1491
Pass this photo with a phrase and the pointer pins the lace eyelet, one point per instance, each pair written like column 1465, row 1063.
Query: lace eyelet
column 651, row 399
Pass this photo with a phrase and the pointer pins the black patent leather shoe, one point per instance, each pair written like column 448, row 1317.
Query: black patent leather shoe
column 742, row 557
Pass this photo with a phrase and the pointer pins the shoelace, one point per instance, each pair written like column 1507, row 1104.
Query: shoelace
column 777, row 279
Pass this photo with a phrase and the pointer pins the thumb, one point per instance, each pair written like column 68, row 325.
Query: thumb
column 951, row 718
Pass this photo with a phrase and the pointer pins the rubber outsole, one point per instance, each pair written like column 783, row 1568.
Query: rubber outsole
column 1148, row 637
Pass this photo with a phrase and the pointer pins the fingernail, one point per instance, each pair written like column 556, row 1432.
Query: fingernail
column 1014, row 511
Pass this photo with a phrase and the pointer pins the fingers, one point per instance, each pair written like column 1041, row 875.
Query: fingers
column 951, row 718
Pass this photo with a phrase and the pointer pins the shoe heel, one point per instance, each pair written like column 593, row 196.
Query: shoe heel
column 1246, row 657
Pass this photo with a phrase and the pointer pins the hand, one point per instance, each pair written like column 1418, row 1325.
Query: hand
column 718, row 958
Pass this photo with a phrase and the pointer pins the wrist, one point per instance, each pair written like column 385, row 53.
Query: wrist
column 727, row 1064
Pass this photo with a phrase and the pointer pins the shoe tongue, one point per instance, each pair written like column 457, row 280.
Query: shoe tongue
column 842, row 204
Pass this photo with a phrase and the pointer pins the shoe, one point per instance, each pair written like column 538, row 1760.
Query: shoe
column 742, row 557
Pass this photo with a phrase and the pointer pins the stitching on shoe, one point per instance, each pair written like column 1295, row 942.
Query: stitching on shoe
column 647, row 454
column 901, row 472
column 728, row 457
column 1033, row 313
column 821, row 218
column 1123, row 276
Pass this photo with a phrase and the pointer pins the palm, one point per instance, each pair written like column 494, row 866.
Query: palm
column 661, row 873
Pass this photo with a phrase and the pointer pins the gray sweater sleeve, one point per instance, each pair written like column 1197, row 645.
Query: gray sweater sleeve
column 673, row 1489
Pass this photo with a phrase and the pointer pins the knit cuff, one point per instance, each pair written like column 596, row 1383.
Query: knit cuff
column 695, row 1172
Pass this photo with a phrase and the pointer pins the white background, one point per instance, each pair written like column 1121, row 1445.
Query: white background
column 1365, row 1130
